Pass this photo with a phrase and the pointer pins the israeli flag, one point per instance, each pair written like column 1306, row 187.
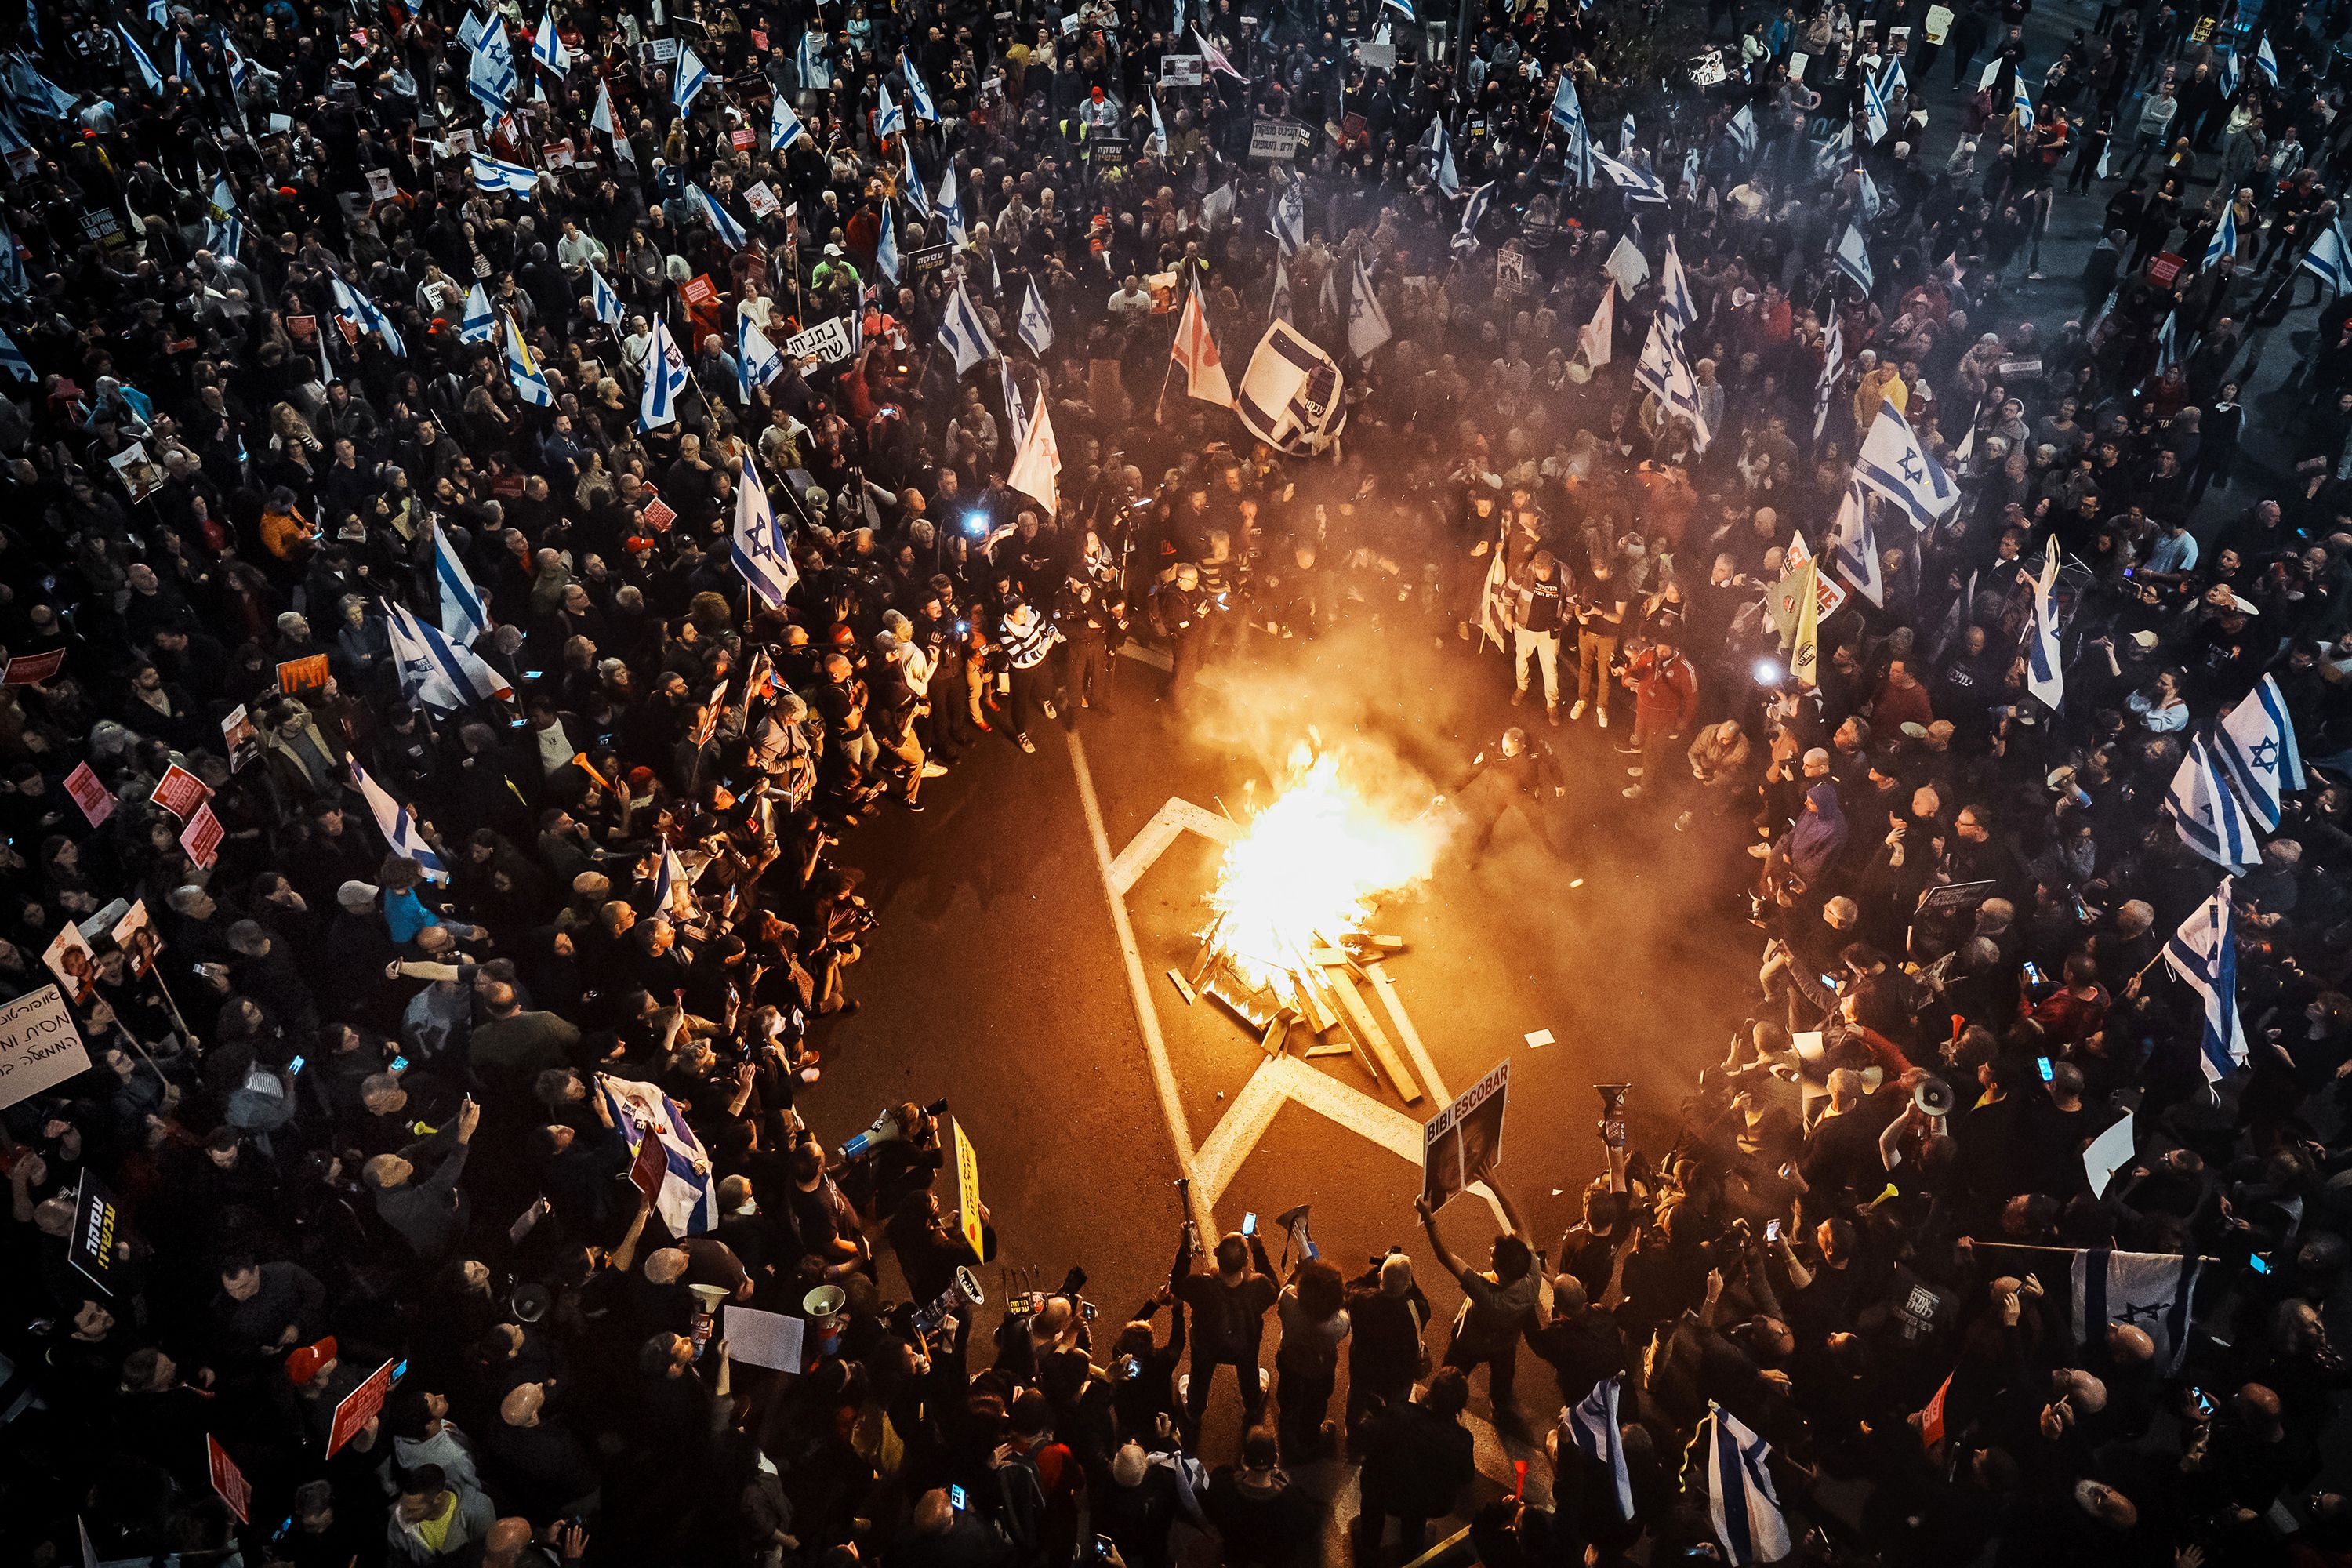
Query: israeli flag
column 1287, row 213
column 1894, row 86
column 889, row 119
column 691, row 78
column 13, row 360
column 2151, row 1291
column 1673, row 291
column 950, row 209
column 2021, row 104
column 547, row 49
column 885, row 249
column 1853, row 546
column 224, row 197
column 784, row 126
column 180, row 66
column 471, row 30
column 240, row 71
column 1833, row 367
column 1016, row 412
column 147, row 71
column 465, row 614
column 2266, row 62
column 1593, row 1426
column 759, row 550
column 1742, row 132
column 1566, row 109
column 2256, row 743
column 603, row 300
column 1893, row 463
column 2329, row 260
column 1277, row 304
column 1474, row 213
column 671, row 876
column 1874, row 112
column 1853, row 259
column 398, row 824
column 479, row 324
column 1873, row 204
column 600, row 117
column 914, row 184
column 1626, row 134
column 2206, row 814
column 226, row 237
column 1831, row 156
column 687, row 1202
column 2225, row 70
column 809, row 61
column 498, row 174
column 665, row 379
column 756, row 358
column 1402, row 5
column 961, row 330
column 918, row 95
column 1036, row 325
column 2046, row 671
column 530, row 383
column 354, row 306
column 490, row 74
column 1742, row 1506
column 730, row 233
column 2204, row 953
column 1642, row 187
column 1159, row 127
column 436, row 671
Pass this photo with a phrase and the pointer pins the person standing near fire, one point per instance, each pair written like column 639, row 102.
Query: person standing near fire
column 1539, row 608
column 1600, row 610
column 1517, row 773
column 1665, row 700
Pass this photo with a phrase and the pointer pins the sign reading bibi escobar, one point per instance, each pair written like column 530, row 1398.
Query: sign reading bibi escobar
column 1460, row 1145
column 39, row 1045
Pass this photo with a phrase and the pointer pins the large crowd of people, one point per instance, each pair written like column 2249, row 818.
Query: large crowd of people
column 500, row 498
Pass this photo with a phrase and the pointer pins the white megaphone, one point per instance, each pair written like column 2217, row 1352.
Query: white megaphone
column 885, row 1129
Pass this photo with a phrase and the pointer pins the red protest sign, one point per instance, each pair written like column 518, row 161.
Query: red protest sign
column 201, row 839
column 180, row 792
column 657, row 514
column 359, row 1407
column 651, row 1165
column 740, row 138
column 90, row 795
column 2164, row 269
column 34, row 667
column 699, row 290
column 229, row 1481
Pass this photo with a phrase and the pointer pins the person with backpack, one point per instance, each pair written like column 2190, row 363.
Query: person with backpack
column 1038, row 1486
column 1229, row 1307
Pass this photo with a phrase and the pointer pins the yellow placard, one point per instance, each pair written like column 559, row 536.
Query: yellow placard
column 967, row 1161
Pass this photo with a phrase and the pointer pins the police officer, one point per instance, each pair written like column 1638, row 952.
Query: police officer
column 1181, row 608
column 1513, row 773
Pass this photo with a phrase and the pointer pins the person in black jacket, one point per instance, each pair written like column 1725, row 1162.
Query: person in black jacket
column 1416, row 1458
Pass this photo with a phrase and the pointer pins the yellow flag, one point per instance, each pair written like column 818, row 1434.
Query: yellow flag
column 1805, row 649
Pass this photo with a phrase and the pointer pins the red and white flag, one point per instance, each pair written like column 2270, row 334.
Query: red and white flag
column 1196, row 353
column 1215, row 57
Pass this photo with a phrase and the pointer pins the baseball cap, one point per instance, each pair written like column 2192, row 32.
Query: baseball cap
column 303, row 1363
column 357, row 895
column 2145, row 639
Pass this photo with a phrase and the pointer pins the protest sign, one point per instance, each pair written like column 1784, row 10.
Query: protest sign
column 241, row 736
column 202, row 836
column 299, row 675
column 135, row 934
column 98, row 1231
column 1460, row 1145
column 1182, row 70
column 772, row 1340
column 967, row 1161
column 761, row 199
column 1274, row 138
column 39, row 1044
column 90, row 795
column 1953, row 900
column 180, row 792
column 828, row 341
column 228, row 1482
column 32, row 668
column 69, row 958
column 358, row 1408
column 2110, row 1152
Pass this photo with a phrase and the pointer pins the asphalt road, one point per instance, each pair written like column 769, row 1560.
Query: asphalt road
column 997, row 976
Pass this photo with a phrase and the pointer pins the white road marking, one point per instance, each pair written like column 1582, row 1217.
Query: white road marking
column 1146, row 1018
column 1167, row 824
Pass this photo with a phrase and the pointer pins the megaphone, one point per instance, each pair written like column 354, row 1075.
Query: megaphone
column 885, row 1129
column 1295, row 1222
column 1613, row 1099
column 1934, row 1097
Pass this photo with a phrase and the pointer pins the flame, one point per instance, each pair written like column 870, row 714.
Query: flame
column 1308, row 869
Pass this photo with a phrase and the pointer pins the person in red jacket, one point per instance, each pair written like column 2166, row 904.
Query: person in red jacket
column 1665, row 698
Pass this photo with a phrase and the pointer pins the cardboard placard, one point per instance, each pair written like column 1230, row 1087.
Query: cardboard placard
column 1461, row 1143
column 70, row 957
column 90, row 795
column 1182, row 70
column 358, row 1408
column 306, row 674
column 1954, row 898
column 828, row 341
column 180, row 792
column 97, row 1230
column 761, row 199
column 229, row 1482
column 202, row 836
column 772, row 1340
column 32, row 668
column 741, row 140
column 2164, row 269
column 39, row 1045
column 1274, row 138
column 699, row 290
column 967, row 1164
column 380, row 185
column 135, row 934
column 1938, row 24
column 241, row 736
column 1377, row 56
column 659, row 514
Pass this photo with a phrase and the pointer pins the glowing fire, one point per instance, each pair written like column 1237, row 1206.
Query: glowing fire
column 1307, row 872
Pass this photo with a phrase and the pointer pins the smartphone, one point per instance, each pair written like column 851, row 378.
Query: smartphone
column 956, row 1498
column 400, row 1064
column 1103, row 1549
column 1130, row 1366
column 399, row 1370
column 1830, row 980
column 294, row 1066
column 2033, row 973
column 1249, row 1225
column 2260, row 1264
column 1772, row 1230
column 2043, row 1063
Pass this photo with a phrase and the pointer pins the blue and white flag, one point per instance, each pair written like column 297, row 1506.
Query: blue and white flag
column 1831, row 156
column 1893, row 463
column 1853, row 259
column 1474, row 213
column 1894, row 86
column 757, row 361
column 784, row 126
column 1867, row 196
column 603, row 300
column 964, row 333
column 1159, row 128
column 1626, row 134
column 889, row 119
column 950, row 208
column 2149, row 1290
column 471, row 29
column 690, row 78
column 1642, row 187
column 759, row 550
column 885, row 249
column 225, row 236
column 354, row 306
column 665, row 379
column 490, row 74
column 181, row 67
column 547, row 49
column 2256, row 743
column 434, row 671
column 1440, row 148
column 465, row 614
column 918, row 97
column 1743, row 1507
column 1664, row 371
column 2204, row 953
column 2019, row 104
column 1853, row 546
column 1592, row 1426
column 2206, row 813
column 600, row 117
column 1286, row 211
column 498, row 174
column 1017, row 412
column 2266, row 61
column 730, row 233
column 1566, row 109
column 1742, row 132
column 1833, row 367
column 1402, row 5
column 13, row 360
column 1673, row 291
column 2045, row 670
column 913, row 190
column 523, row 369
column 2329, row 260
column 1874, row 112
column 1036, row 324
column 398, row 824
column 224, row 197
column 147, row 71
column 240, row 70
column 479, row 324
column 687, row 1203
column 809, row 61
column 1278, row 303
